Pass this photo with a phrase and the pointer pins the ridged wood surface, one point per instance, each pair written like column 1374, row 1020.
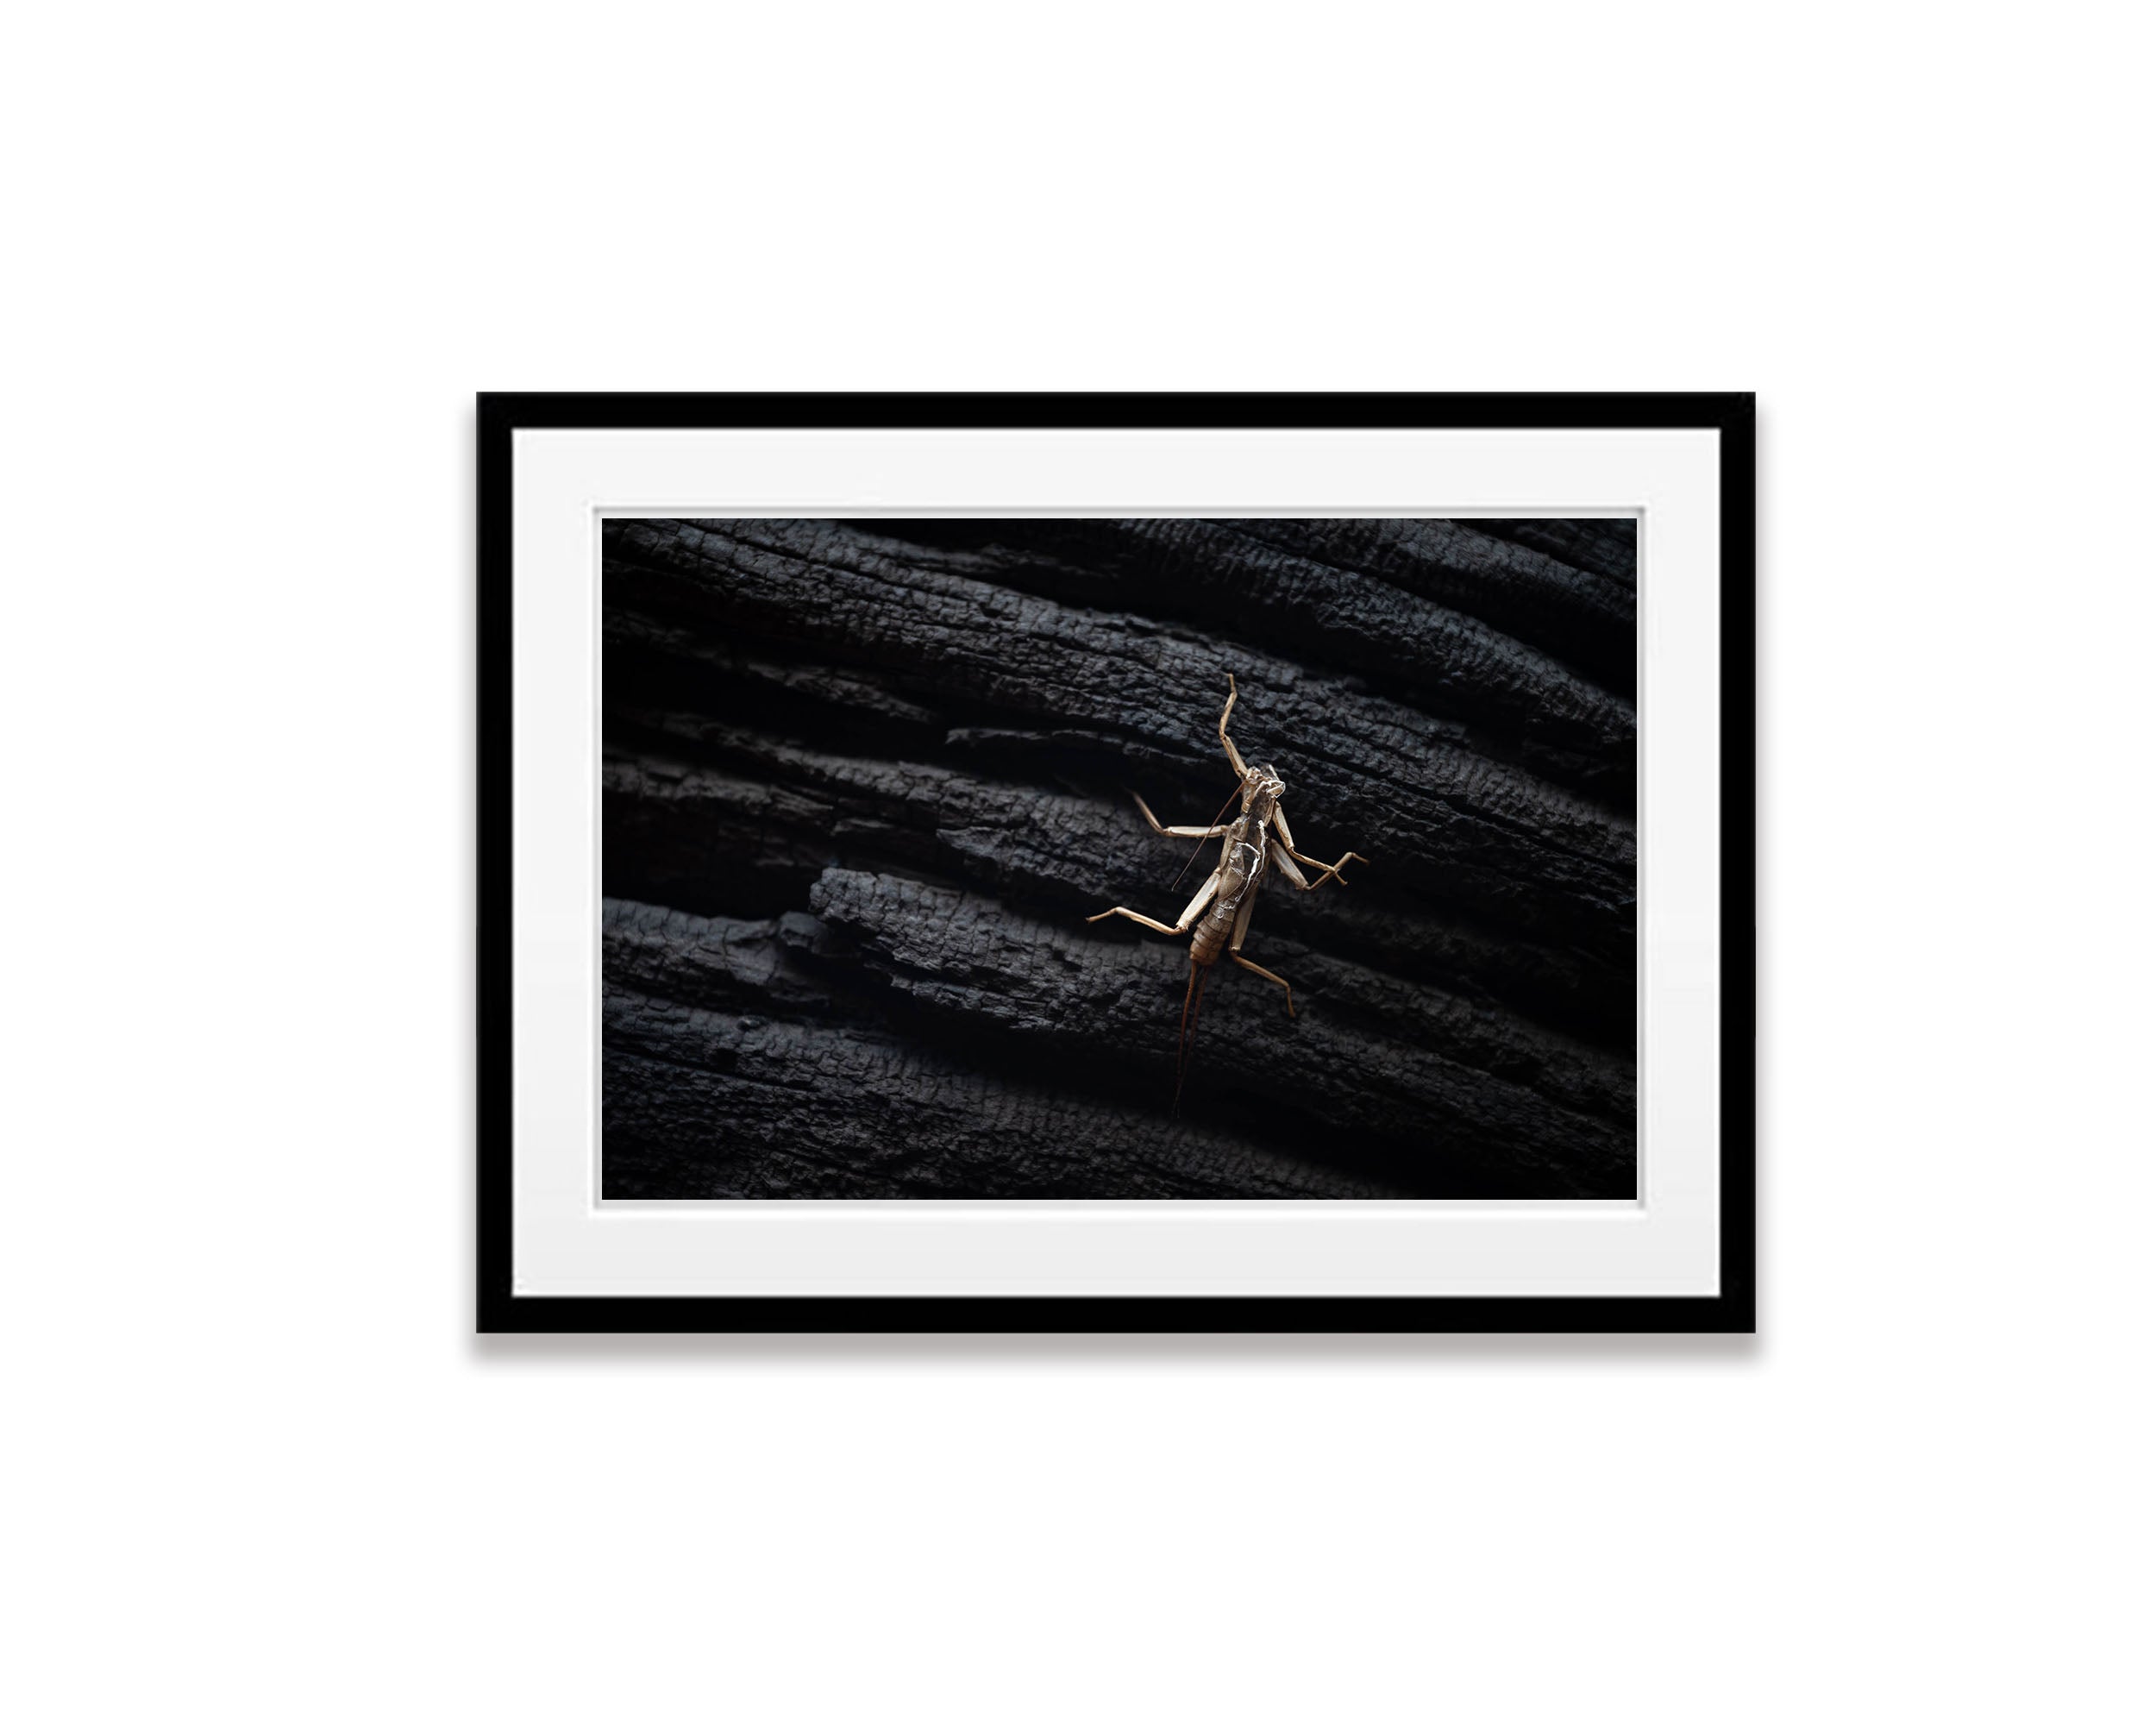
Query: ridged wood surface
column 863, row 782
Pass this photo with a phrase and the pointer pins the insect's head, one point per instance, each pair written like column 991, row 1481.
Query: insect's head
column 1261, row 781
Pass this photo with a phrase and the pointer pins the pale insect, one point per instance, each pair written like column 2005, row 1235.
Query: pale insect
column 1253, row 843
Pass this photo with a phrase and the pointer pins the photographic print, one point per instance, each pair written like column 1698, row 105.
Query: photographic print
column 1156, row 858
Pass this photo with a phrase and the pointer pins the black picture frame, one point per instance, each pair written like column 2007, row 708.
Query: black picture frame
column 1731, row 1310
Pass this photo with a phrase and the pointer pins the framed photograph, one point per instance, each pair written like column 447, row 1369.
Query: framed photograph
column 1116, row 862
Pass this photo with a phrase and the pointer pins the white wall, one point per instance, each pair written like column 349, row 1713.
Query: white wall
column 260, row 258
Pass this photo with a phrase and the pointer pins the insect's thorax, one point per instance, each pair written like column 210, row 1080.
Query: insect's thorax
column 1242, row 858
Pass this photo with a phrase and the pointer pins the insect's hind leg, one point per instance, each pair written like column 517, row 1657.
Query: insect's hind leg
column 1235, row 951
column 1269, row 977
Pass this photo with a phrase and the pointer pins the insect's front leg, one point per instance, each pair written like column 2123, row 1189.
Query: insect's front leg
column 1178, row 831
column 1227, row 742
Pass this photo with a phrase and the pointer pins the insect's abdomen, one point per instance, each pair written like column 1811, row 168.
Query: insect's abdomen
column 1242, row 866
column 1212, row 935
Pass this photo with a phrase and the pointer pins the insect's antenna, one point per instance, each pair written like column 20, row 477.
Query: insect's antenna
column 1189, row 1031
column 1201, row 844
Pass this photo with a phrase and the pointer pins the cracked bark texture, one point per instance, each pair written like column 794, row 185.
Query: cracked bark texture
column 864, row 781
